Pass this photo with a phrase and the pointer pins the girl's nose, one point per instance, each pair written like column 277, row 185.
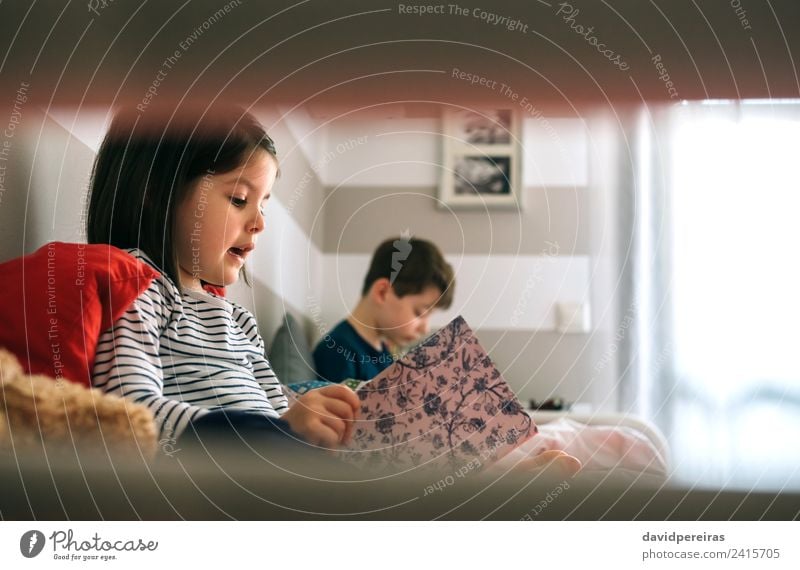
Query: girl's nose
column 257, row 225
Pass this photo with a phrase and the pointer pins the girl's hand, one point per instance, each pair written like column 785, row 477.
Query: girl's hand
column 324, row 416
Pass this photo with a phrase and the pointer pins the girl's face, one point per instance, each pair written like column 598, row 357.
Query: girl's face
column 219, row 220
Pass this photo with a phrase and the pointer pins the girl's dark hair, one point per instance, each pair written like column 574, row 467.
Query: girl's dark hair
column 146, row 168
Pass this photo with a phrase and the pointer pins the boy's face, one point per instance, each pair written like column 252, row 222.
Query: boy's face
column 404, row 320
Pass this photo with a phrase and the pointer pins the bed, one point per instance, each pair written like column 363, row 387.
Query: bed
column 625, row 446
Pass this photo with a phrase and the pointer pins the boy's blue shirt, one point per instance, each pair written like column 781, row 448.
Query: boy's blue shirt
column 343, row 354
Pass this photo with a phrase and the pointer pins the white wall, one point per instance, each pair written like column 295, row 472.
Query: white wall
column 407, row 152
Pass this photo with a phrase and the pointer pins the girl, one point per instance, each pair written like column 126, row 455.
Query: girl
column 189, row 200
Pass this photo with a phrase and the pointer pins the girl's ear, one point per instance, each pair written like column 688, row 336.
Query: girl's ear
column 380, row 289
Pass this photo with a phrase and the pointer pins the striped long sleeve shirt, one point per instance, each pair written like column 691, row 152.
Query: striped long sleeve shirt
column 185, row 353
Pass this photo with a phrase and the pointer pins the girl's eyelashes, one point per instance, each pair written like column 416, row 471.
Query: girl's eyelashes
column 242, row 202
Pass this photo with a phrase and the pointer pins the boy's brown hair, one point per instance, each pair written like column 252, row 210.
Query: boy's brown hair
column 411, row 265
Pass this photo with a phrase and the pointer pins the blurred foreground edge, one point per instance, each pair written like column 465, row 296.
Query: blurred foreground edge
column 193, row 484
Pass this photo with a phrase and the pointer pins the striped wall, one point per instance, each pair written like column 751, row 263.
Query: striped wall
column 381, row 178
column 347, row 185
column 497, row 291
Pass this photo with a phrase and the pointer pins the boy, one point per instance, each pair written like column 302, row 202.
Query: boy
column 407, row 279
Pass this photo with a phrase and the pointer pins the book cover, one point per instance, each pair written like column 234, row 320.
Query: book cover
column 443, row 402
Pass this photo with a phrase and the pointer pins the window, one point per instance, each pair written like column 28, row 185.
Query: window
column 735, row 215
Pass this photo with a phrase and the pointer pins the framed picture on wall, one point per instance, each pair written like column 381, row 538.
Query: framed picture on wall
column 481, row 159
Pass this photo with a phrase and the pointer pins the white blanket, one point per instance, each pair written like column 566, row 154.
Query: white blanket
column 598, row 447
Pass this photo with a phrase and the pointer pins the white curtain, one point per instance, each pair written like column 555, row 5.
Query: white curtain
column 713, row 268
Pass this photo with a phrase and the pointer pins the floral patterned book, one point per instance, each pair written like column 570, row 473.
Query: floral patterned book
column 443, row 402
